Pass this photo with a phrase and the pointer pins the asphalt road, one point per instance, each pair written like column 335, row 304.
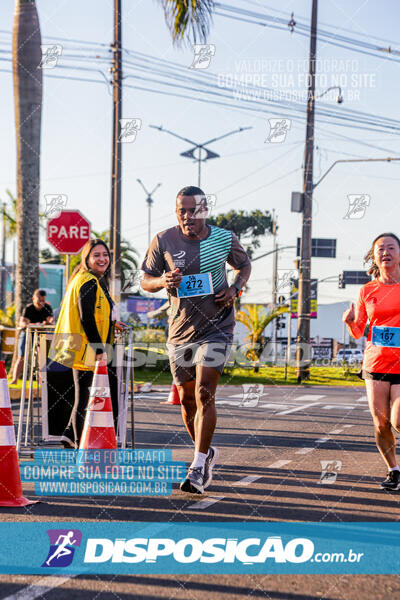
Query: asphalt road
column 271, row 447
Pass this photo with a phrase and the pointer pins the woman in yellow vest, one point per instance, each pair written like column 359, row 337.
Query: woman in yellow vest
column 84, row 328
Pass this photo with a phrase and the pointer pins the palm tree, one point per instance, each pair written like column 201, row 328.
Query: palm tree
column 188, row 19
column 255, row 319
column 28, row 110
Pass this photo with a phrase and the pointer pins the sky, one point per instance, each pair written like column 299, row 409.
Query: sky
column 252, row 172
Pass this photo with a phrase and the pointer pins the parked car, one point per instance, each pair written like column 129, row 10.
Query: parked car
column 351, row 356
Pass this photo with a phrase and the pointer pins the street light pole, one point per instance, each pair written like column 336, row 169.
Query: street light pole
column 198, row 157
column 303, row 326
column 115, row 220
column 150, row 202
column 274, row 283
column 354, row 160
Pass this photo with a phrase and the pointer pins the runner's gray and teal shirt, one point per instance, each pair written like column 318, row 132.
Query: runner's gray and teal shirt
column 197, row 318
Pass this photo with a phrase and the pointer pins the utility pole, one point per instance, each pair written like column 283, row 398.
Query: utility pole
column 303, row 354
column 115, row 220
column 274, row 284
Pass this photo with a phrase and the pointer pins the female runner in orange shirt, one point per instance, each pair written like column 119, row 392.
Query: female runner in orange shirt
column 379, row 303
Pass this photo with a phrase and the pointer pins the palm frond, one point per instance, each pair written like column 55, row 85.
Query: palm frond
column 188, row 20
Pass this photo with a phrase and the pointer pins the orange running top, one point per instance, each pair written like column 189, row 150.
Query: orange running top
column 379, row 304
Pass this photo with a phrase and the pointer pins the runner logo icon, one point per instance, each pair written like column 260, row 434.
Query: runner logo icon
column 179, row 259
column 63, row 543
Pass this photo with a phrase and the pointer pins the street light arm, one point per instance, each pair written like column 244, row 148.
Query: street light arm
column 273, row 251
column 161, row 128
column 156, row 188
column 142, row 184
column 353, row 160
column 333, row 87
column 225, row 135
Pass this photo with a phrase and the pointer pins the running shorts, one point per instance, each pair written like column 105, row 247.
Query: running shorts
column 183, row 358
column 392, row 378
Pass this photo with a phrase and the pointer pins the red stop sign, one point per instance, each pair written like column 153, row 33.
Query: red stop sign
column 69, row 232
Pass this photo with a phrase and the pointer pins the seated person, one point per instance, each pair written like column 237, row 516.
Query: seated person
column 37, row 312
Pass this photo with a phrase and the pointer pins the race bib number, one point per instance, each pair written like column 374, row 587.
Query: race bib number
column 195, row 285
column 386, row 336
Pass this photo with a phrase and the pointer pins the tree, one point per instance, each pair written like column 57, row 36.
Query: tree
column 250, row 226
column 188, row 19
column 11, row 216
column 26, row 58
column 255, row 319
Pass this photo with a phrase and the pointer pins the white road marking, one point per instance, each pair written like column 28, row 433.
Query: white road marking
column 304, row 450
column 293, row 410
column 310, row 397
column 277, row 406
column 322, row 440
column 241, row 395
column 278, row 464
column 228, row 402
column 336, row 431
column 206, row 502
column 150, row 396
column 347, row 426
column 339, row 406
column 362, row 399
column 41, row 587
column 247, row 480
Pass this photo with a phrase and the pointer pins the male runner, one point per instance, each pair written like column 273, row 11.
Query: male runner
column 189, row 261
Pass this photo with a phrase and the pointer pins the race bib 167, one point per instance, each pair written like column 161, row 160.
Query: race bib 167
column 386, row 336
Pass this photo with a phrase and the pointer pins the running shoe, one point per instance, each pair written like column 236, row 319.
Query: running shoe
column 194, row 482
column 392, row 481
column 211, row 459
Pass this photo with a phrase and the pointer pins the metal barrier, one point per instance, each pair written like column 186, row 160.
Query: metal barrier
column 33, row 430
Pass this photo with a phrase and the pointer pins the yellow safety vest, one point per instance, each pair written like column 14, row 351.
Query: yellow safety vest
column 70, row 345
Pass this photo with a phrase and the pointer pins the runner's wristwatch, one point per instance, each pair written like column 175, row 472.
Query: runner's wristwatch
column 238, row 288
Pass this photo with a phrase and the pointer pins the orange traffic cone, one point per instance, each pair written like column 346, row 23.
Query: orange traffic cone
column 10, row 478
column 173, row 397
column 98, row 431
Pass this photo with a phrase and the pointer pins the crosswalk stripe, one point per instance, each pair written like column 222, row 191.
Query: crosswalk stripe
column 304, row 450
column 202, row 504
column 278, row 464
column 247, row 480
column 293, row 410
column 40, row 587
